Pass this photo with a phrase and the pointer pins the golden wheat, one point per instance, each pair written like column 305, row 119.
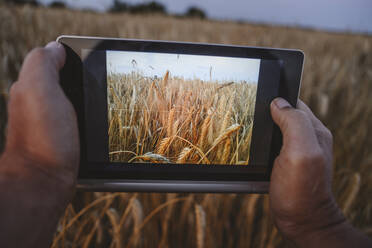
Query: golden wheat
column 161, row 123
column 200, row 225
column 164, row 144
column 204, row 131
column 336, row 85
column 184, row 155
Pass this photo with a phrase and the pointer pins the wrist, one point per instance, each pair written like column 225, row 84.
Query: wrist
column 342, row 235
column 32, row 184
column 310, row 230
column 325, row 224
column 321, row 236
column 31, row 197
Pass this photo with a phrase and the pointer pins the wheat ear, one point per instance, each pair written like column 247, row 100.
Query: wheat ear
column 170, row 122
column 229, row 131
column 165, row 79
column 204, row 131
column 226, row 151
column 184, row 155
column 164, row 144
column 233, row 128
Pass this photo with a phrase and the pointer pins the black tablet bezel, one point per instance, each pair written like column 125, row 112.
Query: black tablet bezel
column 72, row 83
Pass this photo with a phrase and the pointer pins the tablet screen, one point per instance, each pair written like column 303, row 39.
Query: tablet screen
column 174, row 108
column 158, row 110
column 180, row 108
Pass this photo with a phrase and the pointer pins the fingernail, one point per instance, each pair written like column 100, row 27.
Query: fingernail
column 59, row 52
column 281, row 103
column 53, row 44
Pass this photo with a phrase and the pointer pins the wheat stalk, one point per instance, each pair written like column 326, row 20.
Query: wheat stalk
column 116, row 97
column 170, row 121
column 114, row 218
column 204, row 131
column 350, row 92
column 226, row 151
column 224, row 85
column 226, row 121
column 150, row 215
column 250, row 208
column 137, row 213
column 165, row 80
column 351, row 193
column 164, row 145
column 184, row 155
column 200, row 225
column 201, row 153
column 229, row 131
column 166, row 220
column 175, row 127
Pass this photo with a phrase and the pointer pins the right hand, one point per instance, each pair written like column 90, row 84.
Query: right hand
column 301, row 198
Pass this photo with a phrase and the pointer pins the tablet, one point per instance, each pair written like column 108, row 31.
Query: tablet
column 162, row 116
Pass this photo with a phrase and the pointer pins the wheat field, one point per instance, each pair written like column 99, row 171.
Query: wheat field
column 337, row 85
column 173, row 120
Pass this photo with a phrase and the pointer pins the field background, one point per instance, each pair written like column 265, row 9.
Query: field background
column 175, row 120
column 337, row 84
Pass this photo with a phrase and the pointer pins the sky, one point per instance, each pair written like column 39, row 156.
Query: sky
column 333, row 15
column 184, row 66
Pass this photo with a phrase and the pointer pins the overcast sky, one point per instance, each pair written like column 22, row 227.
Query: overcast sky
column 184, row 66
column 341, row 15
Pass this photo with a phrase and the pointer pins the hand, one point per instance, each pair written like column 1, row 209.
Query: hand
column 301, row 198
column 38, row 169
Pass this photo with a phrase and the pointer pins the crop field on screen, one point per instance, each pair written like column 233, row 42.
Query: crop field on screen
column 179, row 119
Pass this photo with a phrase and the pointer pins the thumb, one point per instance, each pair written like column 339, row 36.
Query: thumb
column 57, row 52
column 295, row 125
column 43, row 63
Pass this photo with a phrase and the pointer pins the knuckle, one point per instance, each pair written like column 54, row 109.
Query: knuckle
column 328, row 135
column 299, row 114
column 315, row 156
column 290, row 114
column 16, row 90
column 295, row 115
column 325, row 134
column 297, row 159
column 21, row 95
column 16, row 97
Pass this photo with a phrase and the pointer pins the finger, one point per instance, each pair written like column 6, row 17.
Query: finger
column 321, row 130
column 297, row 129
column 324, row 136
column 43, row 64
column 314, row 120
column 59, row 53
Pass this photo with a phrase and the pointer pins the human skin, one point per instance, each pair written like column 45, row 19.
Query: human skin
column 38, row 168
column 301, row 199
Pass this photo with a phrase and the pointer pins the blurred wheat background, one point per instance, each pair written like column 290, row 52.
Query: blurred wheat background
column 337, row 85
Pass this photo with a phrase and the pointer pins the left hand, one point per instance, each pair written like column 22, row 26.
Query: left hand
column 38, row 169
